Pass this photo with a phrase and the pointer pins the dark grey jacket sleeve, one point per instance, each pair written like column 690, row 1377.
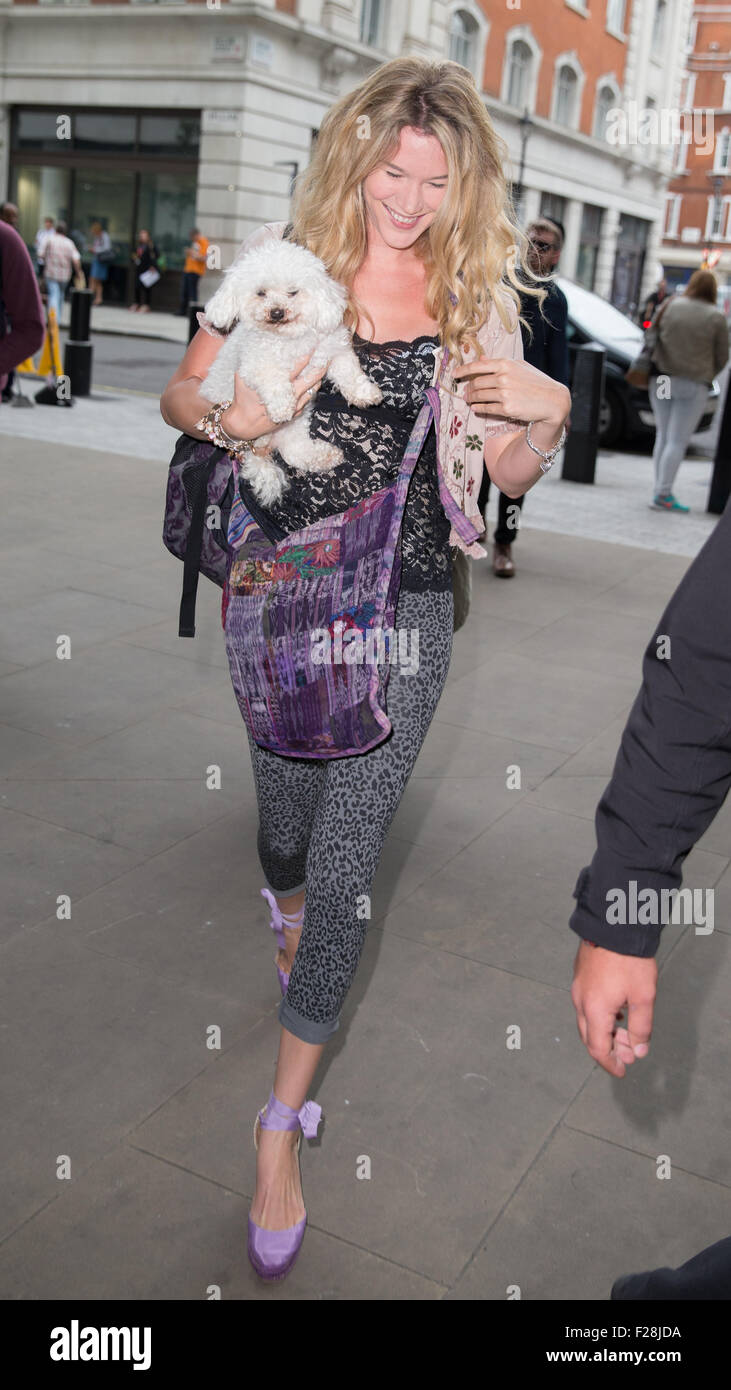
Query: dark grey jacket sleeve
column 673, row 768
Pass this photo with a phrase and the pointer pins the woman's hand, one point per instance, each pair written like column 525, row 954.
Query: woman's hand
column 246, row 417
column 501, row 386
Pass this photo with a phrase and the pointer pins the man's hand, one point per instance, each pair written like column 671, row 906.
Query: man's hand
column 604, row 984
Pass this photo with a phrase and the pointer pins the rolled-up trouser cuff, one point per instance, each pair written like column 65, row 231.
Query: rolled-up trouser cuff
column 284, row 892
column 304, row 1028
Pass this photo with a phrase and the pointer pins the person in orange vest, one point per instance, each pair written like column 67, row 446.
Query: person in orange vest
column 194, row 269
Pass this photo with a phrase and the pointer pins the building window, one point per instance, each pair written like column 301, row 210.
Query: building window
column 672, row 214
column 463, row 39
column 553, row 207
column 615, row 17
column 519, row 66
column 566, row 94
column 723, row 152
column 605, row 101
column 717, row 219
column 680, row 150
column 590, row 239
column 658, row 28
column 370, row 22
column 687, row 91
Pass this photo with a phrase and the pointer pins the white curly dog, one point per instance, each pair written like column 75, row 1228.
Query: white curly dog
column 276, row 304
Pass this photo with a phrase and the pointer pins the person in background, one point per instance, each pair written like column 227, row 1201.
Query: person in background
column 101, row 244
column 193, row 270
column 691, row 348
column 547, row 350
column 22, row 321
column 61, row 261
column 10, row 213
column 145, row 258
column 41, row 238
column 671, row 777
column 653, row 302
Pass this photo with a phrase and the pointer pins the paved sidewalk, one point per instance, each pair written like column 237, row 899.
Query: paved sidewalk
column 490, row 1167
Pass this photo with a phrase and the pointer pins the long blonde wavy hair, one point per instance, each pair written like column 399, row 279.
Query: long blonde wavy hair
column 473, row 242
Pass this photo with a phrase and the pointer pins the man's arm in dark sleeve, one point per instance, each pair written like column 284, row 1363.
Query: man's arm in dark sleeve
column 673, row 768
column 557, row 348
column 22, row 299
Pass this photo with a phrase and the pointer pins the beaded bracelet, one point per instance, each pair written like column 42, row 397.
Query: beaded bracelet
column 211, row 425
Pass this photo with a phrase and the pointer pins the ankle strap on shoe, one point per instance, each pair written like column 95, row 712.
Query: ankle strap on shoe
column 276, row 923
column 277, row 1115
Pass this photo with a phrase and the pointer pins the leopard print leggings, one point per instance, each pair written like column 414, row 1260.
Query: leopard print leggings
column 322, row 824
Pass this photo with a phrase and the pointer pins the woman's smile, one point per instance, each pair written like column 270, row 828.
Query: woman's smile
column 399, row 220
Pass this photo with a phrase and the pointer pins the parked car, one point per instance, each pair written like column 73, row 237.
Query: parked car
column 625, row 413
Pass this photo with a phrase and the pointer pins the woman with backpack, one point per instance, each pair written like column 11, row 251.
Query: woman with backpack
column 690, row 348
column 414, row 221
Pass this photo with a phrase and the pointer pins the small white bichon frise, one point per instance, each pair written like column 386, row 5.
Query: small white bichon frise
column 279, row 303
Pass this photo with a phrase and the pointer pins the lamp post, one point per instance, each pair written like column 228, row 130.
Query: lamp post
column 525, row 126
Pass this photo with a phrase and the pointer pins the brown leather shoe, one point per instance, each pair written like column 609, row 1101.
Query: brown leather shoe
column 502, row 561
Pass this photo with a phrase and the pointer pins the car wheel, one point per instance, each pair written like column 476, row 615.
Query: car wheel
column 612, row 419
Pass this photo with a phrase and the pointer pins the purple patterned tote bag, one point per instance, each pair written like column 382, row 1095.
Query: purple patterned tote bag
column 195, row 528
column 309, row 619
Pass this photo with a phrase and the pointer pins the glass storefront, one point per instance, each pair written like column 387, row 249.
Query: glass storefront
column 127, row 170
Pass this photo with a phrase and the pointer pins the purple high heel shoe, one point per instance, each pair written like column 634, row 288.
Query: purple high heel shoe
column 272, row 1253
column 277, row 925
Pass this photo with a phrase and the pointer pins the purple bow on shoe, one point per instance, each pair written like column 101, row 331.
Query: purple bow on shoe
column 309, row 1118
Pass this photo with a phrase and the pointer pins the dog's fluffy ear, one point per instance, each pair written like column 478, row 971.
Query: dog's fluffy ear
column 223, row 310
column 330, row 307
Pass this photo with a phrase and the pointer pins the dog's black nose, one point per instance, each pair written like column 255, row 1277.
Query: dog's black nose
column 276, row 314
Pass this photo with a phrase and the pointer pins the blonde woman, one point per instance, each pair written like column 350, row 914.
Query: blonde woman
column 405, row 201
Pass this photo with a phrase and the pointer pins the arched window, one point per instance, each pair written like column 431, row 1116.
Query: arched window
column 606, row 99
column 463, row 39
column 520, row 62
column 566, row 89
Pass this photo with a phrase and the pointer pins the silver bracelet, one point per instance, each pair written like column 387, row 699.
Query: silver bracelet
column 546, row 456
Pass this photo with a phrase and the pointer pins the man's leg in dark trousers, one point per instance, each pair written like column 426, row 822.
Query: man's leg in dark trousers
column 706, row 1276
column 507, row 520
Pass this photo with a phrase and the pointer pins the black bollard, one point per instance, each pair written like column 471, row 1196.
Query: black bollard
column 77, row 356
column 579, row 460
column 721, row 476
column 193, row 324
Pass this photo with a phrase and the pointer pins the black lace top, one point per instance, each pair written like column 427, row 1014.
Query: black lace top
column 372, row 449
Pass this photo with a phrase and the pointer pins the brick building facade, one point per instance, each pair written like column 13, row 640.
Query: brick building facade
column 698, row 201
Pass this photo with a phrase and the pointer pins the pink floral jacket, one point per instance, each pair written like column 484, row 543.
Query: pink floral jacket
column 462, row 433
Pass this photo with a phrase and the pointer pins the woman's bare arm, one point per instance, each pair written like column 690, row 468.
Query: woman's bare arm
column 181, row 403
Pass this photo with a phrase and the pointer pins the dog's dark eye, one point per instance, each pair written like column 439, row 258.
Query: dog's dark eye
column 291, row 292
column 262, row 294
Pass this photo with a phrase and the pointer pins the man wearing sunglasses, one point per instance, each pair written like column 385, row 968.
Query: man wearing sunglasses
column 548, row 351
